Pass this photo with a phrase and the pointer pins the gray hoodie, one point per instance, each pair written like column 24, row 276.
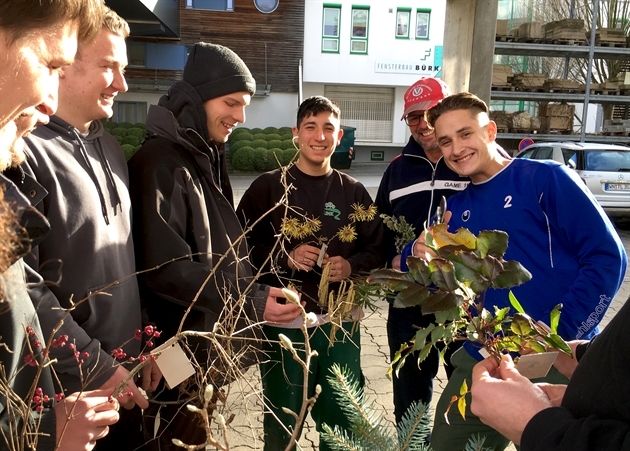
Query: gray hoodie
column 88, row 249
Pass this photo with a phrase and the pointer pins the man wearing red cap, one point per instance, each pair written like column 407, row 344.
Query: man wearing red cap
column 412, row 186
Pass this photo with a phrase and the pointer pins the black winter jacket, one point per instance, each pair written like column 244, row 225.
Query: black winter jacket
column 595, row 410
column 17, row 314
column 186, row 231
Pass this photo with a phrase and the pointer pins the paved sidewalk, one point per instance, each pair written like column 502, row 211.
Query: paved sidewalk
column 246, row 429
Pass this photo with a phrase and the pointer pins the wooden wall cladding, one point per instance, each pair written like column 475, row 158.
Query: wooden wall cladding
column 251, row 34
column 136, row 73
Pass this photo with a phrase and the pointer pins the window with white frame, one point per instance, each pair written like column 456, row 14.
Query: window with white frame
column 369, row 109
column 403, row 16
column 134, row 112
column 330, row 28
column 423, row 22
column 211, row 5
column 359, row 29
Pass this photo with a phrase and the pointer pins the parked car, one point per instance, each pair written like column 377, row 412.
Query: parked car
column 604, row 168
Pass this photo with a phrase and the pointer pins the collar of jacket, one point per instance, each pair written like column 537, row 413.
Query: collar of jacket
column 27, row 184
column 30, row 219
column 414, row 149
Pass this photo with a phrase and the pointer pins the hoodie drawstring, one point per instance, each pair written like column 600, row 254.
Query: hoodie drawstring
column 92, row 175
column 109, row 173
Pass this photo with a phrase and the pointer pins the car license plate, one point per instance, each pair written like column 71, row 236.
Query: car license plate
column 617, row 187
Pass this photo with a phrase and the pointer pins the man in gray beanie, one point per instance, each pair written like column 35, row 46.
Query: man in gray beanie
column 189, row 238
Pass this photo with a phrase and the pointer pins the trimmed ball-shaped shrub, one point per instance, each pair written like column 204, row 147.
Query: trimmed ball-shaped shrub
column 133, row 140
column 288, row 144
column 274, row 143
column 265, row 160
column 119, row 131
column 239, row 145
column 243, row 160
column 119, row 139
column 136, row 131
column 247, row 136
column 276, row 155
column 109, row 125
column 269, row 130
column 125, row 124
column 286, row 136
column 260, row 136
column 237, row 131
column 129, row 150
column 259, row 143
column 285, row 131
column 255, row 130
column 287, row 156
column 273, row 136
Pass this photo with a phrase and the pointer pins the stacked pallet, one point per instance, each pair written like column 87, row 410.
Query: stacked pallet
column 502, row 119
column 529, row 82
column 501, row 75
column 610, row 37
column 561, row 85
column 530, row 31
column 519, row 122
column 502, row 27
column 565, row 30
column 557, row 117
column 616, row 127
column 523, row 122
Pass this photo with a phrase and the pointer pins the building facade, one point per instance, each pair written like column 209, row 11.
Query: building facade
column 364, row 56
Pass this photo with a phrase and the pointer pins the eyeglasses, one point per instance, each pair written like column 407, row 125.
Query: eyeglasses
column 413, row 120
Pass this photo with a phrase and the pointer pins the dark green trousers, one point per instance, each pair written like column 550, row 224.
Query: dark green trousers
column 283, row 379
column 454, row 436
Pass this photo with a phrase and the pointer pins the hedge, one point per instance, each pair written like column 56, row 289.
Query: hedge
column 244, row 159
column 259, row 143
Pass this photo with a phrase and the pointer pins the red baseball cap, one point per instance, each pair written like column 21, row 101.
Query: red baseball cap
column 424, row 94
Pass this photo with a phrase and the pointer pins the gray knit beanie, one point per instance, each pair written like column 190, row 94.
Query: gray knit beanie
column 214, row 71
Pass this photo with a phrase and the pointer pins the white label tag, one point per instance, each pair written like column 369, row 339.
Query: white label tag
column 173, row 363
column 484, row 353
column 322, row 253
column 534, row 366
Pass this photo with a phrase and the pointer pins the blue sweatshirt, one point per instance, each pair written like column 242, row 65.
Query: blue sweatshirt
column 556, row 230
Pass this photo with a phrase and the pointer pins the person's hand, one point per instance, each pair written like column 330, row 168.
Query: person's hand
column 84, row 418
column 128, row 402
column 304, row 257
column 396, row 262
column 151, row 376
column 420, row 249
column 280, row 313
column 504, row 399
column 555, row 392
column 339, row 268
column 566, row 365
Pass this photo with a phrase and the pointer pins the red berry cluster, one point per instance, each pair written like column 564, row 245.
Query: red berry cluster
column 119, row 354
column 78, row 356
column 150, row 332
column 40, row 400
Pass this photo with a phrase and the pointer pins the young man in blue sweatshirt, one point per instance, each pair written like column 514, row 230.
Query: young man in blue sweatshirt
column 556, row 230
column 412, row 186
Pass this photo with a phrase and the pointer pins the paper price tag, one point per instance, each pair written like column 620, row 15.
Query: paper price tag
column 173, row 363
column 322, row 253
column 534, row 366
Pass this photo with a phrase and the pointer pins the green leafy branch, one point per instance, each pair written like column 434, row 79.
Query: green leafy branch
column 405, row 232
column 452, row 285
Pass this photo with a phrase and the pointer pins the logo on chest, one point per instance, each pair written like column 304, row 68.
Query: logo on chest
column 331, row 210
